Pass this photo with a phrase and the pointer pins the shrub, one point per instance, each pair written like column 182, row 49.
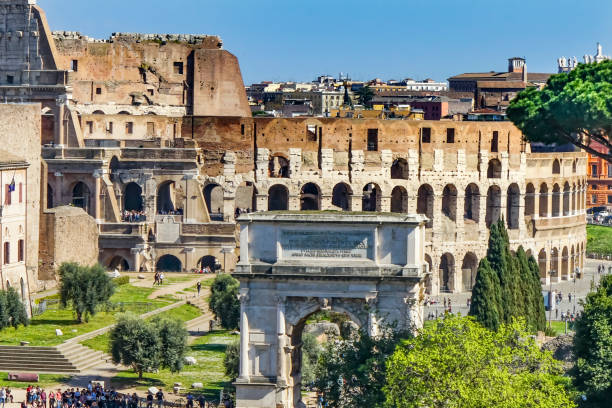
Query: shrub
column 121, row 280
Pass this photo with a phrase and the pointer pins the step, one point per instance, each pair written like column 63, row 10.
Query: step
column 28, row 348
column 36, row 367
column 75, row 371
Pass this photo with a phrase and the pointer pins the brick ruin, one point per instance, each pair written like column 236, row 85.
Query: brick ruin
column 161, row 124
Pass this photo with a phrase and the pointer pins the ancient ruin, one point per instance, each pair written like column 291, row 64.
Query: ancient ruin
column 159, row 126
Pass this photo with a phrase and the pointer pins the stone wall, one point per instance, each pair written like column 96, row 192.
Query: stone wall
column 67, row 234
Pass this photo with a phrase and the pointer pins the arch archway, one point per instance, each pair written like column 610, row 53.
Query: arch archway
column 341, row 196
column 425, row 203
column 132, row 197
column 543, row 198
column 494, row 169
column 471, row 205
column 529, row 200
column 447, row 273
column 399, row 200
column 80, row 196
column 469, row 268
column 169, row 263
column 209, row 261
column 554, row 263
column 278, row 198
column 119, row 263
column 166, row 198
column 310, row 197
column 513, row 205
column 399, row 169
column 542, row 263
column 449, row 202
column 278, row 166
column 565, row 272
column 566, row 199
column 493, row 205
column 213, row 196
column 370, row 200
column 556, row 167
column 556, row 200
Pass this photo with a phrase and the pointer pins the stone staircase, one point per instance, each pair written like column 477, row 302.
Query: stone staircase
column 46, row 360
column 200, row 323
column 82, row 357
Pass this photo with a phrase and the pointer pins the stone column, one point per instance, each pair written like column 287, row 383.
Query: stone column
column 459, row 220
column 97, row 193
column 244, row 337
column 282, row 355
column 261, row 202
column 294, row 202
column 58, row 125
column 385, row 203
column 549, row 200
column 326, row 202
column 536, row 202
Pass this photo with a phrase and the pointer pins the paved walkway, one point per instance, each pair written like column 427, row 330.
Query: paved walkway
column 581, row 287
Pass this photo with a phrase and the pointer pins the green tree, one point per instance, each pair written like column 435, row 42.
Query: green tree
column 456, row 362
column 365, row 95
column 486, row 297
column 84, row 288
column 173, row 342
column 4, row 313
column 575, row 107
column 351, row 372
column 17, row 312
column 223, row 301
column 311, row 350
column 593, row 346
column 135, row 343
column 231, row 360
column 531, row 289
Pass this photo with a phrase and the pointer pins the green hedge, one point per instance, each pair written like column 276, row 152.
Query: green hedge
column 122, row 280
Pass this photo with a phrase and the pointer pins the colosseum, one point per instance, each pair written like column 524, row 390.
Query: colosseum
column 152, row 135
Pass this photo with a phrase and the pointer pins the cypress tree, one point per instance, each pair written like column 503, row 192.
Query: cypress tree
column 498, row 255
column 486, row 297
column 539, row 314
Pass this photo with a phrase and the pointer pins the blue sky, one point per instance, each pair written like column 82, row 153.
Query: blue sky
column 297, row 40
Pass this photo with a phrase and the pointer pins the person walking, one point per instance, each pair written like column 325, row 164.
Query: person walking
column 199, row 286
column 161, row 278
column 160, row 398
column 2, row 396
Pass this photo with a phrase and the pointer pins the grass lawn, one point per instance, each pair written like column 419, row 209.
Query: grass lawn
column 599, row 239
column 208, row 350
column 182, row 313
column 44, row 381
column 559, row 327
column 41, row 331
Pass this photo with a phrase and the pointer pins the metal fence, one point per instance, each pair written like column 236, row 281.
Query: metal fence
column 136, row 307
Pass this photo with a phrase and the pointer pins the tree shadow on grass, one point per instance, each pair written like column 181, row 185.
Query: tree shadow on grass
column 212, row 390
column 136, row 382
column 54, row 321
column 220, row 348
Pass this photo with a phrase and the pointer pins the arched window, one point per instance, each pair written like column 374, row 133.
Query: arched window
column 213, row 196
column 543, row 210
column 132, row 197
column 399, row 169
column 341, row 196
column 278, row 167
column 513, row 205
column 7, row 253
column 20, row 250
column 493, row 205
column 371, row 198
column 447, row 273
column 246, row 197
column 469, row 267
column 471, row 206
column 166, row 198
column 529, row 200
column 310, row 197
column 566, row 199
column 80, row 196
column 119, row 263
column 494, row 169
column 425, row 201
column 556, row 200
column 449, row 202
column 399, row 200
column 556, row 167
column 278, row 198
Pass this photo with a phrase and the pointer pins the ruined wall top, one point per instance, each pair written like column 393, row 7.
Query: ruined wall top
column 195, row 39
column 18, row 2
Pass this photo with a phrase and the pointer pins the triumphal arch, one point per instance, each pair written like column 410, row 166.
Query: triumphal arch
column 370, row 267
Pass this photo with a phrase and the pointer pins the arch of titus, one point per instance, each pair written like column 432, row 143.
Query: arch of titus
column 370, row 267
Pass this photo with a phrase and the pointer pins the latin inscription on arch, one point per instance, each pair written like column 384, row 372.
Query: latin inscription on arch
column 347, row 245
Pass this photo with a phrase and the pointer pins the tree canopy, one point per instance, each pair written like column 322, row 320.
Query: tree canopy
column 351, row 372
column 574, row 107
column 223, row 301
column 12, row 310
column 148, row 345
column 507, row 285
column 84, row 288
column 593, row 346
column 456, row 362
column 365, row 95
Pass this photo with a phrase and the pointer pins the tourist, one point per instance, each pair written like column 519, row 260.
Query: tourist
column 2, row 396
column 199, row 286
column 149, row 400
column 43, row 398
column 160, row 397
column 202, row 401
column 189, row 400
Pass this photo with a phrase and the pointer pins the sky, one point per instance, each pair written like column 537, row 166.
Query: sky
column 291, row 40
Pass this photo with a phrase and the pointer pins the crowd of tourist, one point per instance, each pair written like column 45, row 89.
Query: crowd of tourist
column 178, row 211
column 241, row 211
column 134, row 216
column 97, row 396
